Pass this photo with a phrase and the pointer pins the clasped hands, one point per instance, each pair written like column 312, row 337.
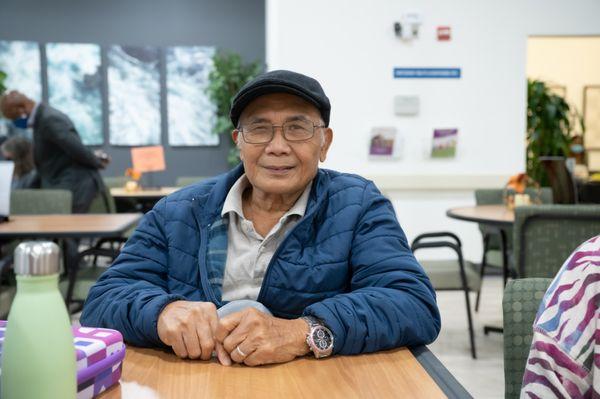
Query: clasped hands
column 194, row 331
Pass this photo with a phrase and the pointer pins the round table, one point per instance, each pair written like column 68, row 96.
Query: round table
column 496, row 215
column 492, row 219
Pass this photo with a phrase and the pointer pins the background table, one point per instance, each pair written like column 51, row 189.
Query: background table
column 139, row 200
column 496, row 219
column 68, row 226
column 391, row 374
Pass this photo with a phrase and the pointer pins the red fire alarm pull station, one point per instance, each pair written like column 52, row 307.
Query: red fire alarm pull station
column 443, row 33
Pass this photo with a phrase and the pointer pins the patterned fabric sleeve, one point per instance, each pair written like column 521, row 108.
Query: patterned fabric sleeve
column 564, row 360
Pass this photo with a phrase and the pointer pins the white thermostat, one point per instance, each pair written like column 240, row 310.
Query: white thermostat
column 406, row 105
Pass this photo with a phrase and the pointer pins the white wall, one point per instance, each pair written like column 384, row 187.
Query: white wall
column 350, row 47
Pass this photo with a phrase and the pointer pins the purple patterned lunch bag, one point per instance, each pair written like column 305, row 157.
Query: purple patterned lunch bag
column 100, row 354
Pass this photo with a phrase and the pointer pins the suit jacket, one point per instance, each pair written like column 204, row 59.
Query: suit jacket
column 61, row 159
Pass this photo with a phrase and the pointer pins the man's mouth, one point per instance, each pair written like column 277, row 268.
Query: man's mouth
column 279, row 169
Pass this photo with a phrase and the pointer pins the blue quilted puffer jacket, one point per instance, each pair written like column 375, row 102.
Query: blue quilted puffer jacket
column 346, row 262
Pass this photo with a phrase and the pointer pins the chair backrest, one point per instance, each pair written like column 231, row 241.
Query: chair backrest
column 494, row 196
column 115, row 181
column 187, row 180
column 520, row 304
column 103, row 202
column 545, row 235
column 40, row 201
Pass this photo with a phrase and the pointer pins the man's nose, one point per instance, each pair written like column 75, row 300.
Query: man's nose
column 279, row 143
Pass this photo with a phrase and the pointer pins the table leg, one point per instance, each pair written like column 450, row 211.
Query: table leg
column 505, row 274
column 71, row 247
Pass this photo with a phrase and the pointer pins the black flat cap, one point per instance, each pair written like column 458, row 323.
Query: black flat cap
column 281, row 82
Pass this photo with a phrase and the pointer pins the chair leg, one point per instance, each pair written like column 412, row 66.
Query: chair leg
column 470, row 320
column 486, row 241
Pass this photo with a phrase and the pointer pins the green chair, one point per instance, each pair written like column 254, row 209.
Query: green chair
column 492, row 253
column 450, row 275
column 40, row 201
column 28, row 202
column 115, row 181
column 187, row 180
column 545, row 235
column 103, row 202
column 520, row 304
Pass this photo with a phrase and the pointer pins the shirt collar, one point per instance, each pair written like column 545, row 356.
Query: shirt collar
column 233, row 201
column 31, row 117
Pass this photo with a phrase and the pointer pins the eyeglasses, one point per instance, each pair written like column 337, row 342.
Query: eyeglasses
column 293, row 131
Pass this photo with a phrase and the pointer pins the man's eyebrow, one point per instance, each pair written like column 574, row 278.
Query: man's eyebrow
column 292, row 118
column 258, row 120
column 297, row 118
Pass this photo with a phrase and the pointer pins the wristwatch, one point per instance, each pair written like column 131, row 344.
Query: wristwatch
column 319, row 338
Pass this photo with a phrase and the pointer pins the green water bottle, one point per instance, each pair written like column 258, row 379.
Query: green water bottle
column 38, row 357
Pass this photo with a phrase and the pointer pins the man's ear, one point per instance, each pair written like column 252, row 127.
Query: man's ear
column 235, row 135
column 327, row 139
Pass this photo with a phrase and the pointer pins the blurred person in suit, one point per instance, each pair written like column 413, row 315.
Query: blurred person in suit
column 61, row 159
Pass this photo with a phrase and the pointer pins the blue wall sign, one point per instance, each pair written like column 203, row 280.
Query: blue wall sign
column 426, row 73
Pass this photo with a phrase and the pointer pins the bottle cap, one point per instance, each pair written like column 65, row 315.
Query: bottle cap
column 36, row 258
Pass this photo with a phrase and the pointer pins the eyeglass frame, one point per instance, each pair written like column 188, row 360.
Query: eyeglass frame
column 241, row 130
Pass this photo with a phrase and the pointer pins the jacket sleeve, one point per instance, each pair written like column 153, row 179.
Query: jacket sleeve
column 62, row 133
column 130, row 295
column 391, row 302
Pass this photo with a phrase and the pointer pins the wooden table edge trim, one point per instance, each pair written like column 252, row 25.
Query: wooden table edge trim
column 439, row 373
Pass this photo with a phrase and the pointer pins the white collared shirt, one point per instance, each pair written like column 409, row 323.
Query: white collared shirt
column 248, row 253
column 32, row 115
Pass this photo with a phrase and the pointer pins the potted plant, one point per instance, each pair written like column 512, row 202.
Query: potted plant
column 550, row 123
column 230, row 73
column 2, row 79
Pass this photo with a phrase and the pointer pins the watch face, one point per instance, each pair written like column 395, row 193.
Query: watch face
column 322, row 339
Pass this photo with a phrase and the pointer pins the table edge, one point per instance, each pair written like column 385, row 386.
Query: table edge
column 439, row 373
column 477, row 220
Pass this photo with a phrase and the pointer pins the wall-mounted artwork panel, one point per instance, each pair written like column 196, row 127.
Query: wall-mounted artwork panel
column 20, row 60
column 134, row 95
column 191, row 113
column 75, row 86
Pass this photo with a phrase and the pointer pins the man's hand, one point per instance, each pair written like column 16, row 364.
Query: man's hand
column 188, row 327
column 103, row 157
column 254, row 338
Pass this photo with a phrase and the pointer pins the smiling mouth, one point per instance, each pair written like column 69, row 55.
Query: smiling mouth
column 279, row 169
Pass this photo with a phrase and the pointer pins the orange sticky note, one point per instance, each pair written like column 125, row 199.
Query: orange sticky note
column 148, row 159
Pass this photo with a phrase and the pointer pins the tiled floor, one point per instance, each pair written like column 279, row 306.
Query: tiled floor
column 483, row 377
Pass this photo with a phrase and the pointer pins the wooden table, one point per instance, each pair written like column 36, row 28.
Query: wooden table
column 68, row 226
column 495, row 219
column 151, row 373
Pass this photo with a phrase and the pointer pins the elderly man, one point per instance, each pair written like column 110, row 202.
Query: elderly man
column 61, row 159
column 321, row 252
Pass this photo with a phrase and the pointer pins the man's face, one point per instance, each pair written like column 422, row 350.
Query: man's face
column 281, row 167
column 12, row 110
